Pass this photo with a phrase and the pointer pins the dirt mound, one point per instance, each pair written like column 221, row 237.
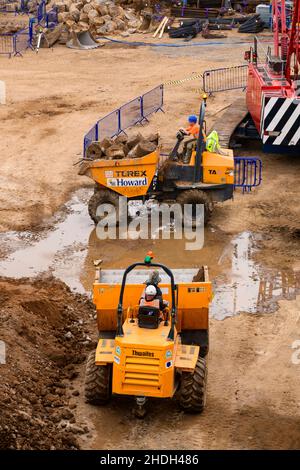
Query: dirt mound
column 45, row 328
column 281, row 216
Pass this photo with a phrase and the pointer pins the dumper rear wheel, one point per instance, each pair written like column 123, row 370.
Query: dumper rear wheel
column 103, row 196
column 193, row 197
column 192, row 393
column 97, row 382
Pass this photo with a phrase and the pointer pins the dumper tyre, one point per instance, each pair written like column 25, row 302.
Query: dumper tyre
column 196, row 196
column 97, row 382
column 198, row 338
column 192, row 393
column 103, row 196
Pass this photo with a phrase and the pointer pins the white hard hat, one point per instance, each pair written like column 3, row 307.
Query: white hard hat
column 150, row 290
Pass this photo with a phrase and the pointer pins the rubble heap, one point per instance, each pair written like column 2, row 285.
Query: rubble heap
column 100, row 17
column 123, row 146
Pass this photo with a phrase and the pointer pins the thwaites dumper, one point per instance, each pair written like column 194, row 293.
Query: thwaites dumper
column 142, row 351
column 207, row 178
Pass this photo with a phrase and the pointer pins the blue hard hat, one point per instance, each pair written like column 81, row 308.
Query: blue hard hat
column 192, row 118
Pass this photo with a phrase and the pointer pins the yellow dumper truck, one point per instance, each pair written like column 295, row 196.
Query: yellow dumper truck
column 206, row 178
column 150, row 348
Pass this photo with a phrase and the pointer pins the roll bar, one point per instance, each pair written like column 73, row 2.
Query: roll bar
column 120, row 331
column 200, row 143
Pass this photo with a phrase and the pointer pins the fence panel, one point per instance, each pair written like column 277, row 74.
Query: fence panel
column 229, row 78
column 131, row 113
column 8, row 6
column 41, row 11
column 52, row 18
column 109, row 126
column 24, row 6
column 90, row 137
column 21, row 41
column 153, row 101
column 247, row 172
column 7, row 44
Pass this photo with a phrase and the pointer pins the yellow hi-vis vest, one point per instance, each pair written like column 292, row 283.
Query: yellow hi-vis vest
column 212, row 142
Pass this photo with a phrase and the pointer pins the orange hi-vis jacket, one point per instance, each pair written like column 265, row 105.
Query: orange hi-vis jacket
column 193, row 130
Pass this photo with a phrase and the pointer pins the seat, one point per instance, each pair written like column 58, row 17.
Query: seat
column 149, row 314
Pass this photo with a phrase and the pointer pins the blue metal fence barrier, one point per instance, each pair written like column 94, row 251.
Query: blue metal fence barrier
column 130, row 114
column 21, row 41
column 13, row 44
column 153, row 101
column 46, row 20
column 7, row 6
column 226, row 78
column 51, row 18
column 7, row 44
column 41, row 11
column 247, row 172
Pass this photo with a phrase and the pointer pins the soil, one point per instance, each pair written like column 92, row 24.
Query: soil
column 53, row 98
column 46, row 331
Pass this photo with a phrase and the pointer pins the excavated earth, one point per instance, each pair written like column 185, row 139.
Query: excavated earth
column 46, row 330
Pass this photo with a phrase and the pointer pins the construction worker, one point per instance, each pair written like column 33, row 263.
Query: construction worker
column 153, row 292
column 193, row 127
column 193, row 131
column 212, row 143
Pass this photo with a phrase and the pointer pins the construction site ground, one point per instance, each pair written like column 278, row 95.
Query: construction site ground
column 48, row 244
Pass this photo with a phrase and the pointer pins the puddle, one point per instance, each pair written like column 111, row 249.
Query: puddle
column 248, row 287
column 61, row 250
column 69, row 248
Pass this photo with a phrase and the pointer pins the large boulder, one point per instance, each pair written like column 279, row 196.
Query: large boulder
column 87, row 8
column 106, row 18
column 111, row 26
column 84, row 17
column 92, row 14
column 79, row 5
column 134, row 140
column 94, row 151
column 116, row 151
column 102, row 9
column 74, row 13
column 82, row 26
column 62, row 17
column 121, row 25
column 141, row 149
column 115, row 10
column 105, row 143
column 102, row 30
column 61, row 7
column 98, row 21
column 70, row 24
column 134, row 23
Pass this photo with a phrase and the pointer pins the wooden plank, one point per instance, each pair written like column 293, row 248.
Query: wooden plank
column 163, row 28
column 159, row 26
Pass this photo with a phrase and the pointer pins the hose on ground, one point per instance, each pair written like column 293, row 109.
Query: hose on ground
column 193, row 44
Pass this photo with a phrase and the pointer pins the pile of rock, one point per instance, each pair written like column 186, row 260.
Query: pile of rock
column 7, row 27
column 123, row 146
column 100, row 17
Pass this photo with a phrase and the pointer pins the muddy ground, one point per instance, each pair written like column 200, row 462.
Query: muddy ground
column 251, row 247
column 45, row 330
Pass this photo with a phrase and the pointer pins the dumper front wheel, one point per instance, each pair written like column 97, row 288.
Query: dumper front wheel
column 99, row 205
column 192, row 197
column 192, row 393
column 97, row 382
